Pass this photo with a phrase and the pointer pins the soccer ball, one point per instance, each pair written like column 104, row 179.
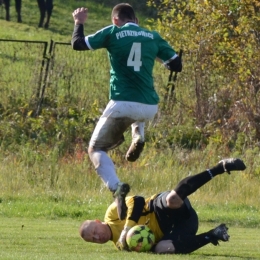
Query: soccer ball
column 140, row 238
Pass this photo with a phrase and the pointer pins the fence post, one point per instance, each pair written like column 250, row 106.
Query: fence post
column 45, row 79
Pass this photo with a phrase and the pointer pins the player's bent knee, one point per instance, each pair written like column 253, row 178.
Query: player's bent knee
column 173, row 200
column 164, row 247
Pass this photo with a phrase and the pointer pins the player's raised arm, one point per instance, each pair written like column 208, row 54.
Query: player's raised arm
column 80, row 16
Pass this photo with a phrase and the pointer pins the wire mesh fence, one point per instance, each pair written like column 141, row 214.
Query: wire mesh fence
column 21, row 64
column 35, row 70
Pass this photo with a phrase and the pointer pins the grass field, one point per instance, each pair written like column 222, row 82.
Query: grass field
column 41, row 221
column 25, row 238
column 61, row 23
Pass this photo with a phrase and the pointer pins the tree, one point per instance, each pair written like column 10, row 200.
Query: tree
column 221, row 42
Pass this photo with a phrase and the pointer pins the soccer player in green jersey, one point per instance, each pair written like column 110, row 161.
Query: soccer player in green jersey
column 169, row 215
column 132, row 51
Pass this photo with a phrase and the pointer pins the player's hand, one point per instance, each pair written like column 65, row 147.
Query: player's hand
column 175, row 65
column 121, row 243
column 80, row 15
column 121, row 246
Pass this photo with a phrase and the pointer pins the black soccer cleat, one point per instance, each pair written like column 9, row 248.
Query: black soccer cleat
column 219, row 233
column 232, row 164
column 120, row 195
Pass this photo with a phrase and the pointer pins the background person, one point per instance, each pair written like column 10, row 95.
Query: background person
column 168, row 214
column 132, row 51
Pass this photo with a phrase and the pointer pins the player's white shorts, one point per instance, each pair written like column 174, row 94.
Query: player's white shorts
column 116, row 118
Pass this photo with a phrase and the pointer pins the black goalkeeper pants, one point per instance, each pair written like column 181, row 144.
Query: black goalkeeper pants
column 175, row 222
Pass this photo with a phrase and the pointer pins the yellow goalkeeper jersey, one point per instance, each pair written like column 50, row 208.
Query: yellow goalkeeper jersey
column 147, row 218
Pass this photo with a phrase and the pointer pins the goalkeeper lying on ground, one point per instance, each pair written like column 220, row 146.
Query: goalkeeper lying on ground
column 169, row 215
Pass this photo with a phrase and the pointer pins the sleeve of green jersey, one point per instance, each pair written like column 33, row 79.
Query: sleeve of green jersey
column 99, row 39
column 165, row 52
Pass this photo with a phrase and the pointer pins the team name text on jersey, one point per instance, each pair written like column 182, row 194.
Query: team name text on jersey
column 126, row 33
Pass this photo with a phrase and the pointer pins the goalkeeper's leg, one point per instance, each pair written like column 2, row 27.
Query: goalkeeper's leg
column 190, row 184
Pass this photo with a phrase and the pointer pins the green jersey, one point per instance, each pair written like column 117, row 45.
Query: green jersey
column 132, row 51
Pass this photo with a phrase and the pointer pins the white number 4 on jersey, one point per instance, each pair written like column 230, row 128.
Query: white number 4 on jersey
column 134, row 58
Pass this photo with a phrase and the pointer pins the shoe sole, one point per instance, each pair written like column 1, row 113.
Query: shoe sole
column 134, row 151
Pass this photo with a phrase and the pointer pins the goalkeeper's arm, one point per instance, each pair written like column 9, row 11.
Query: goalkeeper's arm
column 78, row 39
column 135, row 207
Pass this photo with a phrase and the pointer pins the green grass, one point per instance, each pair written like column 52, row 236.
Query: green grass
column 55, row 206
column 61, row 23
column 52, row 197
column 41, row 238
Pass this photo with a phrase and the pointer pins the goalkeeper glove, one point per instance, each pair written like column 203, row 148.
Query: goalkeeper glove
column 121, row 243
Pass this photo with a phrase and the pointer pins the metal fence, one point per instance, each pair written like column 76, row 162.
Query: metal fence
column 21, row 67
column 36, row 70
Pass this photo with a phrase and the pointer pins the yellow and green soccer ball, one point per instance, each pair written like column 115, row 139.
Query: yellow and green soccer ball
column 140, row 238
